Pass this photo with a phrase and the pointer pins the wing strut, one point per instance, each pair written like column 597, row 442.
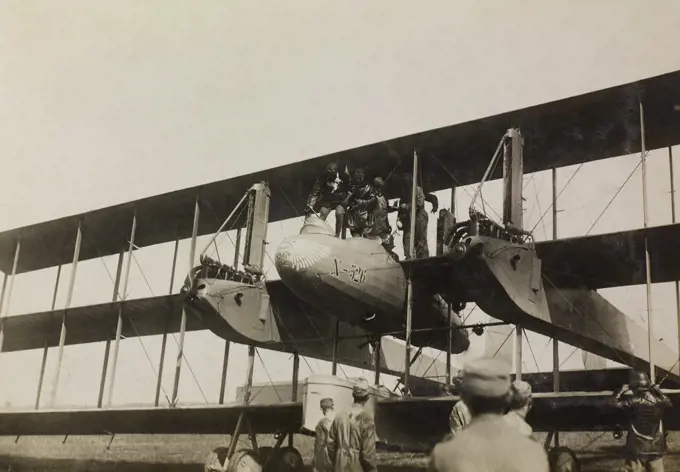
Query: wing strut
column 648, row 270
column 409, row 292
column 3, row 312
column 164, row 343
column 119, row 323
column 69, row 295
column 183, row 322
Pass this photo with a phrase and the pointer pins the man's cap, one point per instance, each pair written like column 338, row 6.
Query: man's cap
column 361, row 388
column 378, row 182
column 486, row 377
column 639, row 379
column 521, row 390
column 326, row 403
column 332, row 167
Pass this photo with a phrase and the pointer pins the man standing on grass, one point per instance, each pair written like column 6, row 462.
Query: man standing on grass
column 351, row 445
column 489, row 443
column 322, row 462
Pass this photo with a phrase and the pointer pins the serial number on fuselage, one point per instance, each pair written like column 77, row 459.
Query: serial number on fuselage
column 354, row 273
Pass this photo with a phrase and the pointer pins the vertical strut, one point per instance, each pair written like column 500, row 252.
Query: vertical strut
column 377, row 346
column 518, row 352
column 555, row 342
column 161, row 362
column 650, row 324
column 225, row 364
column 107, row 349
column 409, row 290
column 183, row 322
column 677, row 284
column 69, row 296
column 4, row 311
column 336, row 346
column 123, row 296
column 41, row 378
column 448, row 347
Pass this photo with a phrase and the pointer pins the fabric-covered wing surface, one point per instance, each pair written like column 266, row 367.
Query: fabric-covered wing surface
column 94, row 323
column 265, row 419
column 612, row 260
column 588, row 127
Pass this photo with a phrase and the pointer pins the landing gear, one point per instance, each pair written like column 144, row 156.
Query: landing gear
column 563, row 459
column 264, row 459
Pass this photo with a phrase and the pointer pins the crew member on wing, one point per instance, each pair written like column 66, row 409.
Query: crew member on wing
column 361, row 200
column 646, row 442
column 382, row 208
column 404, row 218
column 328, row 193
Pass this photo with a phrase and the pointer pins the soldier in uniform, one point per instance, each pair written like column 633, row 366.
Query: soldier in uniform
column 489, row 443
column 360, row 202
column 328, row 193
column 382, row 208
column 520, row 404
column 404, row 218
column 351, row 445
column 321, row 461
column 646, row 442
column 459, row 418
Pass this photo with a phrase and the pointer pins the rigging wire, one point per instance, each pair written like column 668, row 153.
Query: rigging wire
column 184, row 356
column 558, row 196
column 615, row 195
column 94, row 243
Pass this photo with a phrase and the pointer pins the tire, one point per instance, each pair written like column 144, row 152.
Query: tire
column 286, row 459
column 244, row 460
column 563, row 459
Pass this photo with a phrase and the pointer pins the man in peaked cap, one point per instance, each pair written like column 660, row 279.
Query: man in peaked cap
column 351, row 445
column 322, row 462
column 489, row 443
column 520, row 404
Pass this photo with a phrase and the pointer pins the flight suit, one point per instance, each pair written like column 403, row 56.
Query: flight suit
column 517, row 422
column 361, row 202
column 645, row 442
column 322, row 462
column 351, row 445
column 404, row 216
column 489, row 444
column 459, row 418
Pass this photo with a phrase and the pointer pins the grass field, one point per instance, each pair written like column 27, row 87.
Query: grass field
column 176, row 453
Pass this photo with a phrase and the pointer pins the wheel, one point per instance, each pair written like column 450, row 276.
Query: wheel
column 563, row 459
column 244, row 460
column 285, row 459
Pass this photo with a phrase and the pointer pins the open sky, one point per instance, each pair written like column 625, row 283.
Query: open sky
column 105, row 102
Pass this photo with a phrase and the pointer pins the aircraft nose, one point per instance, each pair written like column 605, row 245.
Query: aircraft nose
column 297, row 254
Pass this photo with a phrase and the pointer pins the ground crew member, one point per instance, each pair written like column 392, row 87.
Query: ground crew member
column 328, row 193
column 646, row 442
column 321, row 461
column 489, row 443
column 404, row 218
column 351, row 445
column 520, row 404
column 459, row 418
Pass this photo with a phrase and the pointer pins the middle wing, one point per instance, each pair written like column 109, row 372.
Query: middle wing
column 612, row 260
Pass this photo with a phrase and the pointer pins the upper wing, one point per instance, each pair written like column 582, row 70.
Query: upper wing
column 588, row 127
column 612, row 260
